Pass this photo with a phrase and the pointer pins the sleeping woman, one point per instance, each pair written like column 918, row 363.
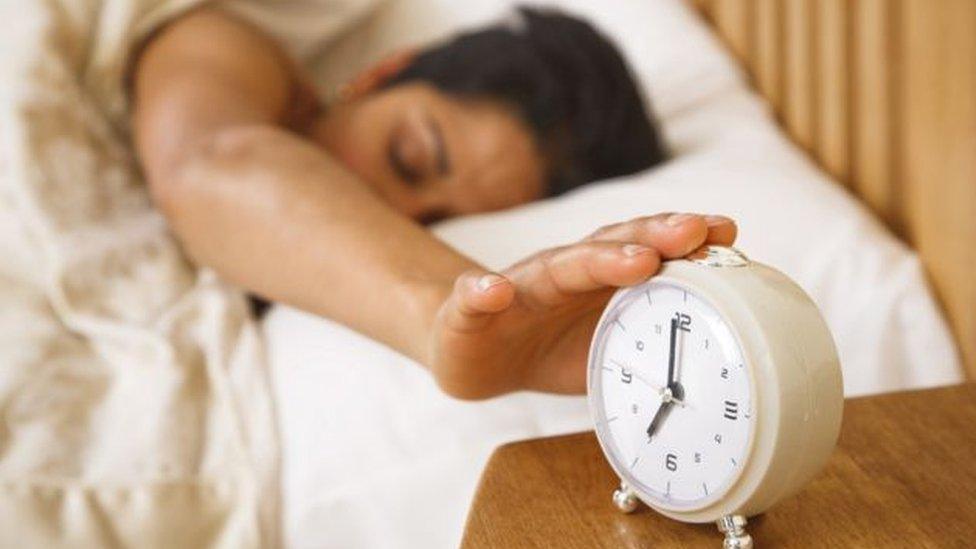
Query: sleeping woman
column 324, row 207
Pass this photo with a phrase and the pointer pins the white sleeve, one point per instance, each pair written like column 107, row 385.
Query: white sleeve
column 303, row 27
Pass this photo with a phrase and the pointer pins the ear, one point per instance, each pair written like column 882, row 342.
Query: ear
column 378, row 74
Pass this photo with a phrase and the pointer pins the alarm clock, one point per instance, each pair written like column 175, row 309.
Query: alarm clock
column 715, row 390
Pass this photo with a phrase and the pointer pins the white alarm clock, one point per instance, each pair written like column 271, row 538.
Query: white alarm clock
column 715, row 390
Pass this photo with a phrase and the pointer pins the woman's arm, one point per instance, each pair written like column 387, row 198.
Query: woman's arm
column 266, row 208
column 275, row 214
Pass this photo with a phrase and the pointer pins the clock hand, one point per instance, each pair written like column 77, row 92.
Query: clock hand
column 671, row 361
column 669, row 398
column 640, row 377
column 662, row 411
column 668, row 394
column 675, row 398
column 677, row 390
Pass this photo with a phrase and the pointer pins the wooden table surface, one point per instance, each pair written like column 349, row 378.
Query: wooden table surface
column 903, row 475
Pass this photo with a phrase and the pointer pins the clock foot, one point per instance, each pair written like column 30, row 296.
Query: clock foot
column 625, row 499
column 734, row 528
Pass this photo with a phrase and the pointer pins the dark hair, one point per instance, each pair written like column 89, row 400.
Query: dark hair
column 566, row 80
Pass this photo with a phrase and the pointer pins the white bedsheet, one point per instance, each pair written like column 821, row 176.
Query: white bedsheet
column 135, row 408
column 374, row 456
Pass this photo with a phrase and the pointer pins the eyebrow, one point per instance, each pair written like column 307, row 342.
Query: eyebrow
column 443, row 161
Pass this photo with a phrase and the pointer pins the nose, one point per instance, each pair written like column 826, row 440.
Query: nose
column 432, row 217
column 435, row 207
column 429, row 207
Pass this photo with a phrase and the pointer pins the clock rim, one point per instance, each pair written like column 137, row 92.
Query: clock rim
column 798, row 391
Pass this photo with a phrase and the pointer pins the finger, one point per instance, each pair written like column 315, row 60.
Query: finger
column 558, row 275
column 672, row 234
column 721, row 230
column 477, row 297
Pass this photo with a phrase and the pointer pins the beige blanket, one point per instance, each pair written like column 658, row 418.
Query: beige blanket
column 134, row 400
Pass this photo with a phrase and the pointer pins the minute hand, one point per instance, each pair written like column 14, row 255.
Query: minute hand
column 671, row 353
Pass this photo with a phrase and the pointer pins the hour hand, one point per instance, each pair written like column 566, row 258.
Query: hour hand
column 658, row 418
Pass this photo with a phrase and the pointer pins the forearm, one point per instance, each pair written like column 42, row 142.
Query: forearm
column 264, row 207
column 274, row 214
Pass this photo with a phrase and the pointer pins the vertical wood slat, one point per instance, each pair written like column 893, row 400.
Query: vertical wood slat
column 734, row 19
column 834, row 88
column 767, row 51
column 939, row 140
column 704, row 6
column 800, row 102
column 883, row 94
column 873, row 125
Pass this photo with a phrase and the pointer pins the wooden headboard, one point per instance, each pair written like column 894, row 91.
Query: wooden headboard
column 882, row 94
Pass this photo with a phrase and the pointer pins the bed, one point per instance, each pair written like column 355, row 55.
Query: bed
column 374, row 456
column 881, row 95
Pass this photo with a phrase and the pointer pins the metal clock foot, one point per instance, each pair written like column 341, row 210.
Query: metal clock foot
column 625, row 499
column 734, row 528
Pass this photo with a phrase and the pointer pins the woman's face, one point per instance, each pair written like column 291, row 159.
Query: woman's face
column 431, row 155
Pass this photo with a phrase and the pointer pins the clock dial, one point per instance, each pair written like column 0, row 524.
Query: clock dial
column 671, row 396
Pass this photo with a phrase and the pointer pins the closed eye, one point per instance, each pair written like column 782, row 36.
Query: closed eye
column 440, row 150
column 404, row 171
column 417, row 150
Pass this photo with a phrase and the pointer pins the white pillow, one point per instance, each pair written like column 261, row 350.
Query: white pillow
column 680, row 62
column 872, row 290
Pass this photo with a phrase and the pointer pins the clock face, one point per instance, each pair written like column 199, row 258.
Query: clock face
column 671, row 396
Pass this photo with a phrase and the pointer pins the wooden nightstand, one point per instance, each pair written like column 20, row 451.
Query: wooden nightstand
column 903, row 475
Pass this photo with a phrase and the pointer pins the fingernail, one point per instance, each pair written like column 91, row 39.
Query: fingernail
column 677, row 219
column 489, row 280
column 630, row 250
column 712, row 220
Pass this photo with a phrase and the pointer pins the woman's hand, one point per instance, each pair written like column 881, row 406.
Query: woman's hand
column 530, row 326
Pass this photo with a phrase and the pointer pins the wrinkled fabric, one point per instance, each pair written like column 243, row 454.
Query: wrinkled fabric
column 135, row 407
column 134, row 400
